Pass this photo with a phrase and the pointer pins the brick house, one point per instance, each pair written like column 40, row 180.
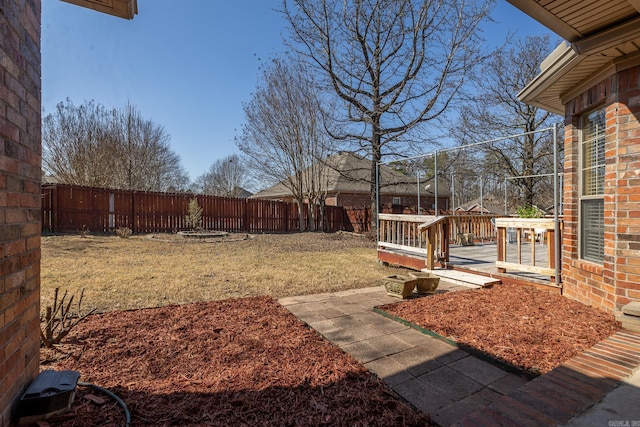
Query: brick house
column 593, row 79
column 20, row 166
column 347, row 178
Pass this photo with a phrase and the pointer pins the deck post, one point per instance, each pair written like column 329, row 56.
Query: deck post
column 501, row 239
column 551, row 253
column 445, row 239
column 431, row 243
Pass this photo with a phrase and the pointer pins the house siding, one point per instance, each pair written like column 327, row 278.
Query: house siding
column 20, row 162
column 616, row 281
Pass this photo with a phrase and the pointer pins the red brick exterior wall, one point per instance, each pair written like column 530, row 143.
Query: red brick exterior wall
column 19, row 199
column 616, row 282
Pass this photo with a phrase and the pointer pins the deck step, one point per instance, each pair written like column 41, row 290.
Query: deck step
column 632, row 309
column 630, row 316
column 629, row 322
column 463, row 278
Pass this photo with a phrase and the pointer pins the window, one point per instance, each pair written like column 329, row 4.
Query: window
column 397, row 201
column 592, row 186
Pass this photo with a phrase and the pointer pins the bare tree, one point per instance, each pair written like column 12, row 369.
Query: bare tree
column 395, row 64
column 285, row 135
column 496, row 111
column 118, row 148
column 226, row 177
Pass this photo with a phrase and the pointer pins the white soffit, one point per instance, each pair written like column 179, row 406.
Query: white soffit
column 601, row 33
column 121, row 8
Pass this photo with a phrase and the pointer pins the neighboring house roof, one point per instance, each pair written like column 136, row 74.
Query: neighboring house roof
column 599, row 36
column 50, row 179
column 243, row 194
column 489, row 204
column 350, row 173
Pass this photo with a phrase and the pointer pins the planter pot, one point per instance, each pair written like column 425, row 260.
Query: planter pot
column 426, row 283
column 399, row 286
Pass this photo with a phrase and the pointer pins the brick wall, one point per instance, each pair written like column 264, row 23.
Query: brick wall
column 625, row 194
column 360, row 199
column 616, row 281
column 19, row 199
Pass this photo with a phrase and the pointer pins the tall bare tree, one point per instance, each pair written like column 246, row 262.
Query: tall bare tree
column 226, row 177
column 496, row 111
column 395, row 64
column 91, row 145
column 285, row 135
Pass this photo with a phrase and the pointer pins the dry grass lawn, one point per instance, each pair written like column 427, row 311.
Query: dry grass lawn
column 141, row 271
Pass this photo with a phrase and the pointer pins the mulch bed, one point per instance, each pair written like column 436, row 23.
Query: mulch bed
column 530, row 329
column 232, row 362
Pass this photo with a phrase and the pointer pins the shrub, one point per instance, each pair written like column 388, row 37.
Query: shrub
column 193, row 219
column 60, row 319
column 84, row 231
column 529, row 211
column 123, row 232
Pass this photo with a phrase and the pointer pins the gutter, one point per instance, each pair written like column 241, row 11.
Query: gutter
column 561, row 61
column 567, row 57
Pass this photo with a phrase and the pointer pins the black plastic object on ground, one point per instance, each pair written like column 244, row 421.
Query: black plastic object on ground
column 52, row 392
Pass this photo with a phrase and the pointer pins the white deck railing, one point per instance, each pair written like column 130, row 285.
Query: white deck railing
column 513, row 232
column 403, row 232
column 430, row 236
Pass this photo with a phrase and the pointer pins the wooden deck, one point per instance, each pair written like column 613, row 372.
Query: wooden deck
column 512, row 249
column 480, row 258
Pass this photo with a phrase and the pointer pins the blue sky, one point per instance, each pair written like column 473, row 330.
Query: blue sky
column 186, row 64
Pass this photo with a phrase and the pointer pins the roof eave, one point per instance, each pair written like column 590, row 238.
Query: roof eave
column 556, row 65
column 549, row 20
column 126, row 9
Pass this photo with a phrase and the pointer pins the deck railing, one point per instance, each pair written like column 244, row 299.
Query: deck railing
column 481, row 226
column 535, row 232
column 402, row 231
column 418, row 234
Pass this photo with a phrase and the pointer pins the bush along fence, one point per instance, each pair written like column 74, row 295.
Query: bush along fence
column 68, row 208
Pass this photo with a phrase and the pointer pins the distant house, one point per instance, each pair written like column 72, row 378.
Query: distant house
column 593, row 79
column 50, row 179
column 243, row 193
column 348, row 183
column 489, row 204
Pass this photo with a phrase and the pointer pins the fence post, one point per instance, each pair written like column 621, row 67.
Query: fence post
column 286, row 217
column 245, row 219
column 54, row 206
column 133, row 211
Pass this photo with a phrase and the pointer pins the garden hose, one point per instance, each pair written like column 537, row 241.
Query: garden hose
column 127, row 414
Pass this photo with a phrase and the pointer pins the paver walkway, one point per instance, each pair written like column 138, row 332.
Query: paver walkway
column 455, row 388
column 570, row 390
column 444, row 382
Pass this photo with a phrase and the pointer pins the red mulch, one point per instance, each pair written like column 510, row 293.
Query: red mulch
column 233, row 362
column 531, row 329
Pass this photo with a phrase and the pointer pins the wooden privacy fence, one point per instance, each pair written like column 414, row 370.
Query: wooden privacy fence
column 71, row 208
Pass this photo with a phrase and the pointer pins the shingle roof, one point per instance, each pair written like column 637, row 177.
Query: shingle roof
column 350, row 173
